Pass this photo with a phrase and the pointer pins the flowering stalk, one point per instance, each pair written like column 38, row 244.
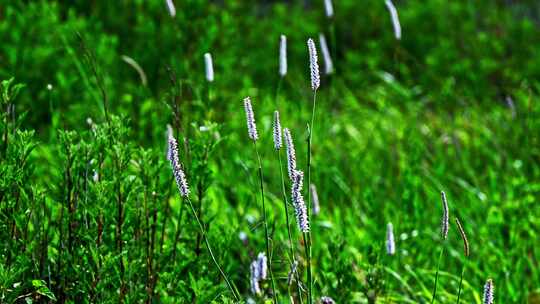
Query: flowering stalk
column 253, row 135
column 183, row 187
column 277, row 145
column 444, row 234
column 466, row 251
column 303, row 222
column 315, row 83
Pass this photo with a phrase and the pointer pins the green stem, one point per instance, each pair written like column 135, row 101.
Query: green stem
column 460, row 283
column 307, row 247
column 278, row 89
column 437, row 276
column 310, row 132
column 267, row 238
column 203, row 232
column 308, row 238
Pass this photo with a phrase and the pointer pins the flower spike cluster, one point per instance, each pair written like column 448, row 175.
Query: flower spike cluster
column 250, row 120
column 178, row 172
column 298, row 201
column 313, row 65
column 277, row 131
column 291, row 154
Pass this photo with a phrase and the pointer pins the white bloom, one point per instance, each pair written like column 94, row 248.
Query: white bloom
column 488, row 292
column 313, row 65
column 282, row 55
column 298, row 201
column 395, row 19
column 277, row 131
column 171, row 8
column 250, row 120
column 328, row 65
column 390, row 243
column 209, row 67
column 444, row 221
column 329, row 8
column 178, row 172
column 291, row 154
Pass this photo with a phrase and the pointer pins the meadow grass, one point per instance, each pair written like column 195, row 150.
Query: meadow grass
column 423, row 96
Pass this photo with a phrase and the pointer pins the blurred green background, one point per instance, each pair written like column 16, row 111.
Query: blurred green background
column 454, row 106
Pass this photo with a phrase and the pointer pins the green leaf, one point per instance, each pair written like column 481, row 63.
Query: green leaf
column 42, row 289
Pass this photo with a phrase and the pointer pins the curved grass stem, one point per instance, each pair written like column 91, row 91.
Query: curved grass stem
column 460, row 283
column 437, row 276
column 267, row 238
column 307, row 236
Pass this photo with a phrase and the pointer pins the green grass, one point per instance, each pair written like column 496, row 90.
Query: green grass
column 89, row 211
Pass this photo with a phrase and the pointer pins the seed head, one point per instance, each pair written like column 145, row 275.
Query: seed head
column 395, row 18
column 328, row 65
column 313, row 65
column 327, row 300
column 176, row 166
column 282, row 55
column 298, row 201
column 464, row 237
column 291, row 154
column 254, row 277
column 277, row 131
column 390, row 243
column 250, row 119
column 263, row 270
column 315, row 199
column 329, row 8
column 444, row 222
column 488, row 292
column 209, row 67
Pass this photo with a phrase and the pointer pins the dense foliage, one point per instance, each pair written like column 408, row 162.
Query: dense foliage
column 90, row 212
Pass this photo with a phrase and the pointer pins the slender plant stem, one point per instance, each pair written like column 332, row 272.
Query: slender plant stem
column 265, row 222
column 307, row 236
column 286, row 205
column 207, row 242
column 307, row 248
column 310, row 132
column 278, row 89
column 437, row 276
column 460, row 283
column 177, row 234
